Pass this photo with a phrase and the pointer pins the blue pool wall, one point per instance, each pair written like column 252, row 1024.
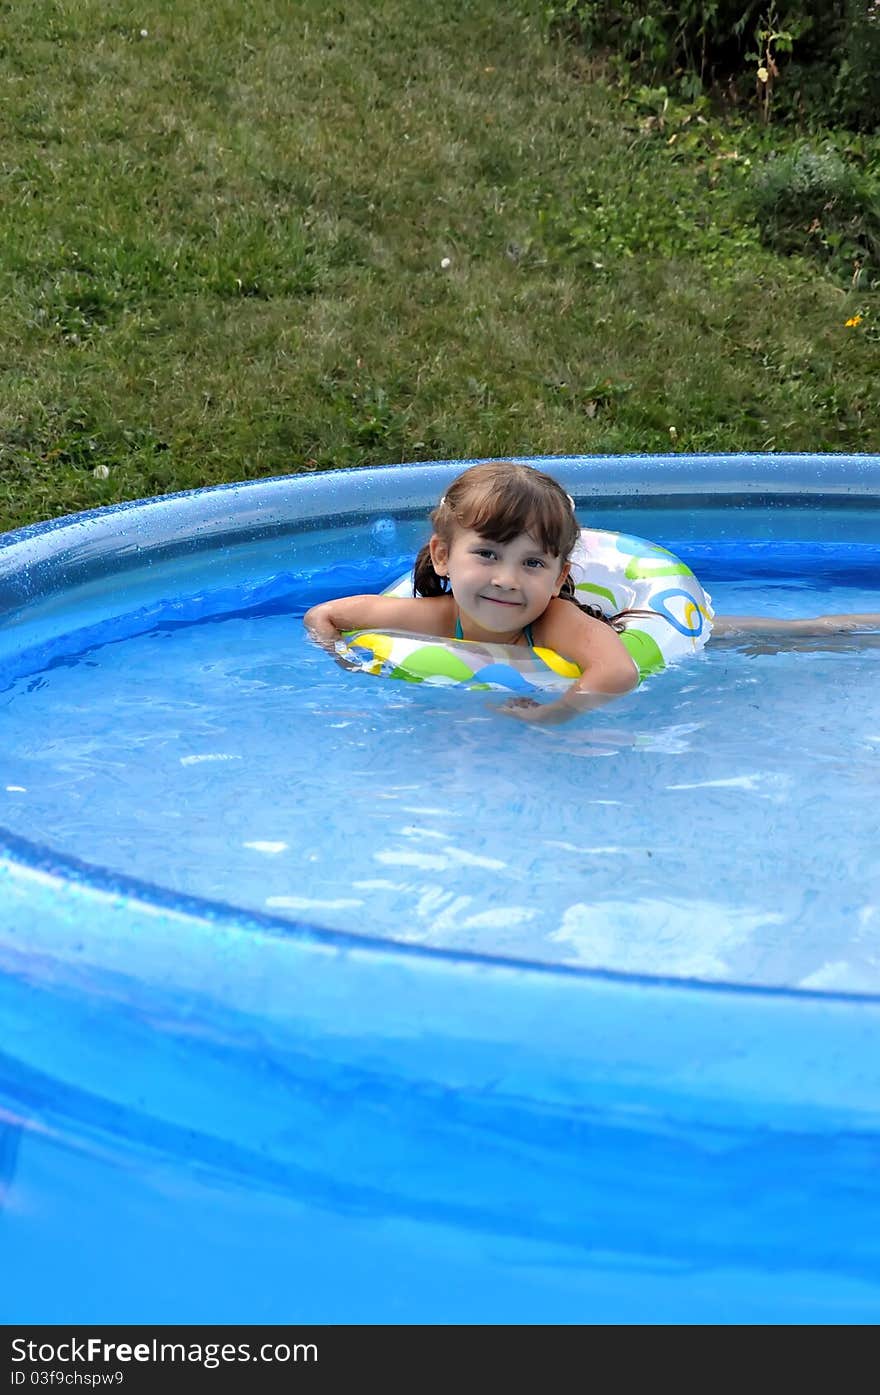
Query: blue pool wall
column 213, row 1116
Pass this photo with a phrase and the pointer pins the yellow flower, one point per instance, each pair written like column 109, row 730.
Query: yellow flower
column 853, row 321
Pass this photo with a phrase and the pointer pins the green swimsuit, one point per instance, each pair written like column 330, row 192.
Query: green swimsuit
column 527, row 631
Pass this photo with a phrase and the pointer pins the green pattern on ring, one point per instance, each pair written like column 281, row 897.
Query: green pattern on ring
column 643, row 569
column 433, row 661
column 597, row 591
column 644, row 651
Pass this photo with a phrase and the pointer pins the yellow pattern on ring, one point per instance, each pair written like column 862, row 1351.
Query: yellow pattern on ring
column 555, row 662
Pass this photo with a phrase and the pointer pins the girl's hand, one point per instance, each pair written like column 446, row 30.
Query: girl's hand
column 526, row 709
column 321, row 628
column 577, row 700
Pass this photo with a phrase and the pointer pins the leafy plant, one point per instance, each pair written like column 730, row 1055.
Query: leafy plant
column 857, row 87
column 810, row 200
column 771, row 42
column 830, row 48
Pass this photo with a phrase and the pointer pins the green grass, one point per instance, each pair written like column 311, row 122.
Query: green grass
column 221, row 248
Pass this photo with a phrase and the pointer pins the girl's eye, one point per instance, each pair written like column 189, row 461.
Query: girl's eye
column 485, row 552
column 534, row 563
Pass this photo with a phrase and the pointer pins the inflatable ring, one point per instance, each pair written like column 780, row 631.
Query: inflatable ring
column 662, row 609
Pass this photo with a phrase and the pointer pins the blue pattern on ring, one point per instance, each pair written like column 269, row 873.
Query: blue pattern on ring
column 638, row 547
column 657, row 603
column 506, row 676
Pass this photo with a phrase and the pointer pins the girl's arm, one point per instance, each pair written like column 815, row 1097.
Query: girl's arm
column 327, row 622
column 760, row 634
column 739, row 626
column 597, row 649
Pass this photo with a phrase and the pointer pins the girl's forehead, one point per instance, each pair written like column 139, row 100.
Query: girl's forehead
column 526, row 541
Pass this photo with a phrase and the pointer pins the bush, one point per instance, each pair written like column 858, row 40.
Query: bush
column 812, row 201
column 819, row 58
column 697, row 39
column 857, row 91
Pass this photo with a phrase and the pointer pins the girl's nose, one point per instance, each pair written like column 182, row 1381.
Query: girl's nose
column 503, row 577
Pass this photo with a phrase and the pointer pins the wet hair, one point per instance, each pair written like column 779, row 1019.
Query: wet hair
column 501, row 500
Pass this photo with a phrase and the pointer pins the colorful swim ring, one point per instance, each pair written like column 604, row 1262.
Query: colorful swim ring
column 664, row 612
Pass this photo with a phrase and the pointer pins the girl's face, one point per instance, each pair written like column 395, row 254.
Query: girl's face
column 499, row 587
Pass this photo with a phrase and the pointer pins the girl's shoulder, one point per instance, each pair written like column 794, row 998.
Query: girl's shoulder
column 574, row 634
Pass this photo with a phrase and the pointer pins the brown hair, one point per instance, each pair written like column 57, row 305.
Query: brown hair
column 500, row 500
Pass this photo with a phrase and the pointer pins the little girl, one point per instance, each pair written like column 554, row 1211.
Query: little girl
column 496, row 569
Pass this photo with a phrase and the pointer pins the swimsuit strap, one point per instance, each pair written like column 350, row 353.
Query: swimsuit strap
column 529, row 637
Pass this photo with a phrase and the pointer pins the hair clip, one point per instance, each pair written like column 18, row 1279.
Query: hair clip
column 571, row 501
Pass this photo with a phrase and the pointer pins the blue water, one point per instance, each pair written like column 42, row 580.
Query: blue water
column 719, row 823
column 216, row 1115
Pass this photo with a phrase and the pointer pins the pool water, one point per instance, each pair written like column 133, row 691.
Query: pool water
column 720, row 823
column 435, row 1110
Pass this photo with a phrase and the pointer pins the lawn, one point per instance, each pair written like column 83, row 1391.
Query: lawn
column 244, row 240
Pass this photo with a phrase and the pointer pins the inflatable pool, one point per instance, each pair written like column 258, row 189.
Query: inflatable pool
column 325, row 1000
